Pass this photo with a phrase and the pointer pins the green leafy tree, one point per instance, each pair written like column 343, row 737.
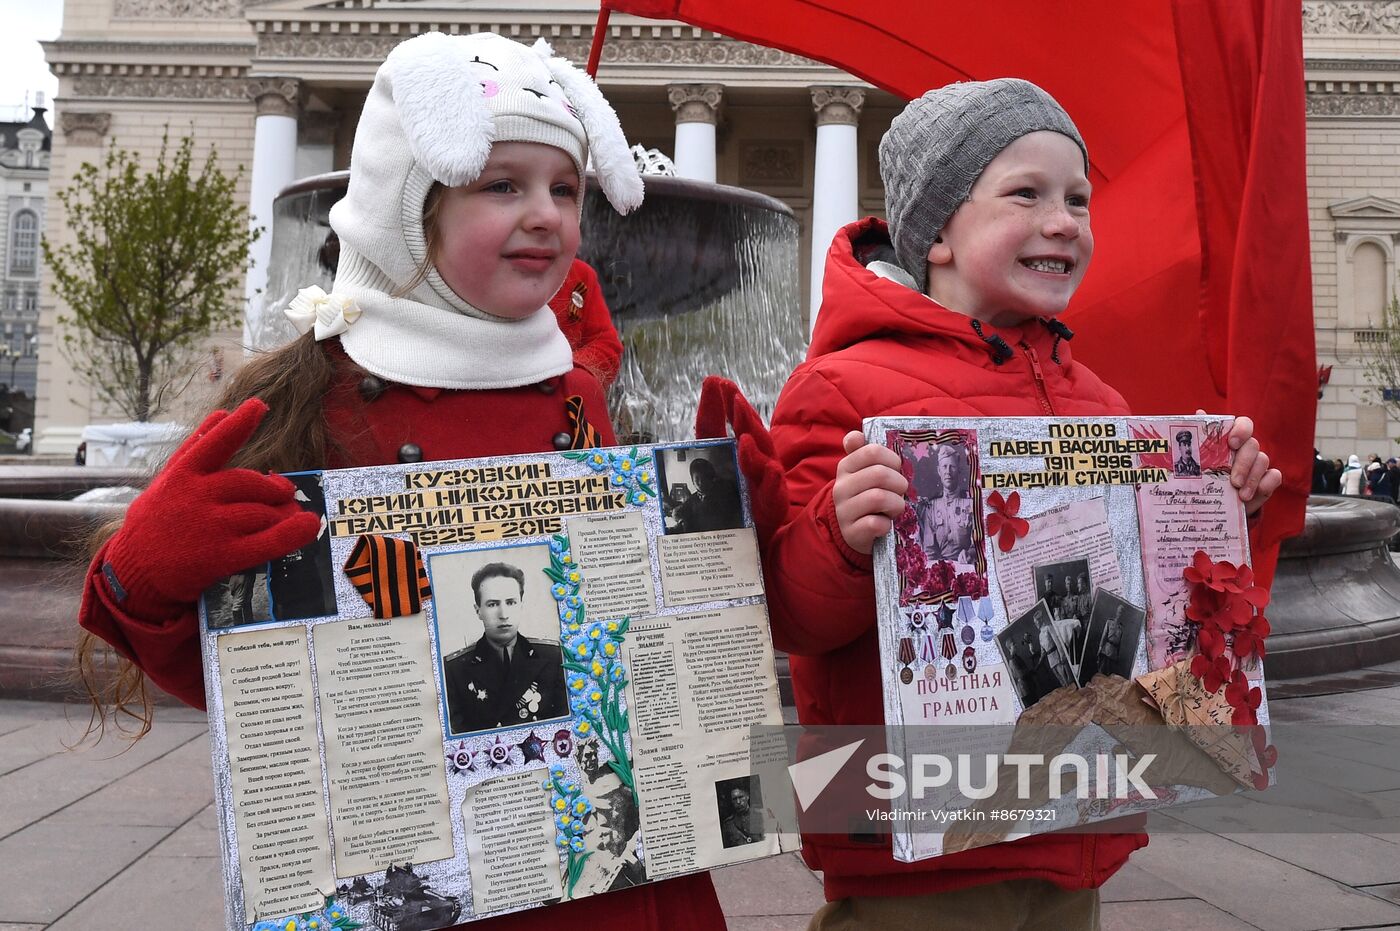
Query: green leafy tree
column 1381, row 354
column 150, row 273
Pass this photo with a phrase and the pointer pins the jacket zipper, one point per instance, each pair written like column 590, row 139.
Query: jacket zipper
column 1039, row 379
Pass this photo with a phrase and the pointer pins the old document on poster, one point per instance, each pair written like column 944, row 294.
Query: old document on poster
column 510, row 843
column 1178, row 518
column 699, row 682
column 701, row 567
column 379, row 715
column 274, row 771
column 1075, row 530
column 613, row 553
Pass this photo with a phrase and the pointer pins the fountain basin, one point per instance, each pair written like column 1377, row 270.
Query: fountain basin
column 1336, row 595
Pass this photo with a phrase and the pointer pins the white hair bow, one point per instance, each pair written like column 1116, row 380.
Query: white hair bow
column 330, row 314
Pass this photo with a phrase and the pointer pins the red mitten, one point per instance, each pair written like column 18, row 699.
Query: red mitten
column 721, row 404
column 200, row 522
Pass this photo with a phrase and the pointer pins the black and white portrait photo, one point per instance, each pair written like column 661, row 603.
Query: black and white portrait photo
column 1035, row 658
column 498, row 638
column 740, row 802
column 1186, row 460
column 1114, row 631
column 1065, row 588
column 699, row 489
column 237, row 600
column 946, row 531
column 301, row 582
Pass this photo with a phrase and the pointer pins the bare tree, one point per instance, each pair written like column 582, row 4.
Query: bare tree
column 1381, row 355
column 155, row 259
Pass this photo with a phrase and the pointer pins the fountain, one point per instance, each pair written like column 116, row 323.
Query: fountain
column 701, row 280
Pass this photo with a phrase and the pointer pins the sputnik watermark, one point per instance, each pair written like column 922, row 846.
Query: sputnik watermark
column 928, row 771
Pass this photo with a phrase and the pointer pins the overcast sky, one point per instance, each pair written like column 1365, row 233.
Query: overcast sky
column 22, row 67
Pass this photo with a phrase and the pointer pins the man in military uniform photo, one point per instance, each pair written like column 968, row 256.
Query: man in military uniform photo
column 504, row 678
column 952, row 513
column 1186, row 465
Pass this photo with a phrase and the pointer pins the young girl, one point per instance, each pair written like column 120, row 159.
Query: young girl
column 460, row 222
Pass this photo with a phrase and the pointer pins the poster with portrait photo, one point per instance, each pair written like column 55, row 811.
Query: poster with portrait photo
column 498, row 638
column 699, row 489
column 939, row 538
column 1114, row 631
column 1066, row 587
column 1036, row 660
column 240, row 599
column 740, row 804
column 301, row 583
column 1185, row 441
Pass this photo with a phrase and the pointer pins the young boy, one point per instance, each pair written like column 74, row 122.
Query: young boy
column 948, row 311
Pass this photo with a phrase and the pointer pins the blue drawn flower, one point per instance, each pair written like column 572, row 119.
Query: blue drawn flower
column 577, row 845
column 598, row 462
column 561, row 840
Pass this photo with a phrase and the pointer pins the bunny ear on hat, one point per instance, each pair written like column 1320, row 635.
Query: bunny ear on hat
column 441, row 107
column 617, row 170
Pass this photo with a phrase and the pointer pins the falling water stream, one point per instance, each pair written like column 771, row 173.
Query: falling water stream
column 701, row 280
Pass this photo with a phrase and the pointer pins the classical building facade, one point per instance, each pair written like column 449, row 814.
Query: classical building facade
column 277, row 85
column 24, row 175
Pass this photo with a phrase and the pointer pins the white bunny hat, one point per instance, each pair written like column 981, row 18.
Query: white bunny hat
column 437, row 105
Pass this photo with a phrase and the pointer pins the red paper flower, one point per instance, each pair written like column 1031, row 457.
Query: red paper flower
column 970, row 584
column 1213, row 673
column 1242, row 584
column 1249, row 640
column 939, row 577
column 1211, row 642
column 1243, row 699
column 1213, row 575
column 1002, row 521
column 1222, row 610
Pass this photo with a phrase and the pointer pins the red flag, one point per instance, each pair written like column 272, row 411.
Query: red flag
column 1200, row 292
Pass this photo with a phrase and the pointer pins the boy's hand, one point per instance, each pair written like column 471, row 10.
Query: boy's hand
column 1250, row 474
column 869, row 491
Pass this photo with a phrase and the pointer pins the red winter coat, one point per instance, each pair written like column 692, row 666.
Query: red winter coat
column 584, row 317
column 445, row 424
column 881, row 349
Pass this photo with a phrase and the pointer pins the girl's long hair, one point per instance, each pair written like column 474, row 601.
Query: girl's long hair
column 293, row 382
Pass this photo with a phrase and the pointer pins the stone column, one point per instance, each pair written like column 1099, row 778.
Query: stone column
column 697, row 112
column 274, row 167
column 835, row 183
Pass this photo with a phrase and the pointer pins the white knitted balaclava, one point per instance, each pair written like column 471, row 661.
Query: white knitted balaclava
column 437, row 106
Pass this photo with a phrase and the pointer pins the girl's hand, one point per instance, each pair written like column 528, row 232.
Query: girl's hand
column 199, row 522
column 869, row 491
column 1250, row 475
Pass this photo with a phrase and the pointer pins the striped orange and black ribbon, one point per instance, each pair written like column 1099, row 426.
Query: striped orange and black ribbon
column 388, row 574
column 585, row 435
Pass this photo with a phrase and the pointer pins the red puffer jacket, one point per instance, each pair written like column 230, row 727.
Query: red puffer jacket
column 375, row 421
column 881, row 349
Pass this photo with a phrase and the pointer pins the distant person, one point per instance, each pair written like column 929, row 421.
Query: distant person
column 1319, row 474
column 1352, row 476
column 1378, row 481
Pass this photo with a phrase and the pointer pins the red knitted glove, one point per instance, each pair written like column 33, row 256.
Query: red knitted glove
column 200, row 522
column 721, row 404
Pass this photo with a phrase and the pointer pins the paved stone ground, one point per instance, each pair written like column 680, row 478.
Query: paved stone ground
column 102, row 836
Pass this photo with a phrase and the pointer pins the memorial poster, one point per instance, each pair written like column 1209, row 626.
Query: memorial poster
column 490, row 685
column 1091, row 572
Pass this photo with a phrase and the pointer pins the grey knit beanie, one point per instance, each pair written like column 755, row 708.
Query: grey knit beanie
column 939, row 144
